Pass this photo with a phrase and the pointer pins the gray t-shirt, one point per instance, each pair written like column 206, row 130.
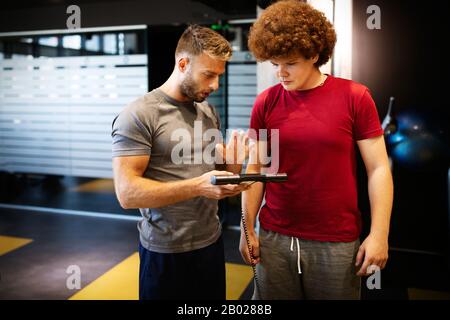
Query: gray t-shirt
column 145, row 127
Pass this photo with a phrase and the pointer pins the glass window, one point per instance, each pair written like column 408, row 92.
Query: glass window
column 26, row 40
column 47, row 41
column 92, row 43
column 83, row 44
column 131, row 43
column 72, row 42
column 121, row 44
column 110, row 43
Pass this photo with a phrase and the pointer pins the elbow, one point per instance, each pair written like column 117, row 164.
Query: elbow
column 124, row 201
column 123, row 196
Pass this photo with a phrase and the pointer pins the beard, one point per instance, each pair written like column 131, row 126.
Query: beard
column 191, row 90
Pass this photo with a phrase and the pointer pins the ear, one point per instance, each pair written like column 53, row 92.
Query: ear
column 182, row 63
column 315, row 58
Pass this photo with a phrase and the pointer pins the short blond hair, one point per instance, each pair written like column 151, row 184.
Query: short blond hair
column 197, row 39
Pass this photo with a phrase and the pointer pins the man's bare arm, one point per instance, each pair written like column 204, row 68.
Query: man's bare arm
column 135, row 191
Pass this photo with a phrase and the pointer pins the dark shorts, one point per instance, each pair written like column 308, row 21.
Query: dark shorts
column 193, row 275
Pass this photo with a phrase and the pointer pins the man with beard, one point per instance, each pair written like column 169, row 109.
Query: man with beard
column 181, row 249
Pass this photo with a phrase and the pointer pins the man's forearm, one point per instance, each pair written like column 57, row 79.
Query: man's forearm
column 140, row 192
column 380, row 187
column 252, row 199
column 251, row 202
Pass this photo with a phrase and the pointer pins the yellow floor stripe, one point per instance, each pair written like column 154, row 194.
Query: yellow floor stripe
column 238, row 278
column 97, row 185
column 419, row 294
column 8, row 244
column 121, row 282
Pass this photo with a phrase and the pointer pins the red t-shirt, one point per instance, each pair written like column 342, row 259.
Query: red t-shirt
column 318, row 129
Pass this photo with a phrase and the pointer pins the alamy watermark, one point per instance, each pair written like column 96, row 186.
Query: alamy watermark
column 74, row 20
column 374, row 280
column 73, row 281
column 374, row 20
column 261, row 147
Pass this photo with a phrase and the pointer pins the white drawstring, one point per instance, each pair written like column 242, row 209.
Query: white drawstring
column 298, row 253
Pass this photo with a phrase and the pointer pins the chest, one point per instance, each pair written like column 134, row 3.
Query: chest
column 319, row 121
column 191, row 130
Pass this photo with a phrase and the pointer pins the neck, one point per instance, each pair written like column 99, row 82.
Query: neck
column 172, row 88
column 314, row 80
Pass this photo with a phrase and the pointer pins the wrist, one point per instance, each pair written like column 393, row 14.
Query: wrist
column 380, row 234
column 195, row 186
column 250, row 229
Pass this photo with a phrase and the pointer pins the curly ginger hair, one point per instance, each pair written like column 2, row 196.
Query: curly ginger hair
column 292, row 27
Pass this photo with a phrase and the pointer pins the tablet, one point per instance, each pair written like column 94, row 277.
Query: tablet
column 250, row 177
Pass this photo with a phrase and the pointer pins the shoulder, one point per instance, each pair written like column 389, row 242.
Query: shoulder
column 267, row 98
column 271, row 92
column 148, row 102
column 352, row 88
column 143, row 107
column 143, row 112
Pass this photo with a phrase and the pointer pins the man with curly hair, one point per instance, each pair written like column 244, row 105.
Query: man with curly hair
column 308, row 245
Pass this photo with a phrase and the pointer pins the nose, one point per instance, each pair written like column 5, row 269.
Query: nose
column 214, row 85
column 282, row 72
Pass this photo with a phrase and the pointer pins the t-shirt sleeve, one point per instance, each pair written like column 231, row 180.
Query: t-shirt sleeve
column 257, row 117
column 131, row 134
column 366, row 122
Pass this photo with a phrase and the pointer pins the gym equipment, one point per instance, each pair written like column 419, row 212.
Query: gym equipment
column 416, row 140
column 252, row 177
column 389, row 124
column 421, row 151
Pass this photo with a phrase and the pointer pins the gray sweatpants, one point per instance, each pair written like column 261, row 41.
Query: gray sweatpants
column 292, row 268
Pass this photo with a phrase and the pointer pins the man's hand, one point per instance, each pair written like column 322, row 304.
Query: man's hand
column 208, row 190
column 254, row 244
column 235, row 151
column 374, row 251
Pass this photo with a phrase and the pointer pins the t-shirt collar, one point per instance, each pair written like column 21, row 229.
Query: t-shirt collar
column 173, row 101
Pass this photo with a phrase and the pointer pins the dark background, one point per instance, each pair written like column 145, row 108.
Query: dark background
column 407, row 59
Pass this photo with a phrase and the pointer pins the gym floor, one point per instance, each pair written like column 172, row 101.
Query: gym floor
column 49, row 226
